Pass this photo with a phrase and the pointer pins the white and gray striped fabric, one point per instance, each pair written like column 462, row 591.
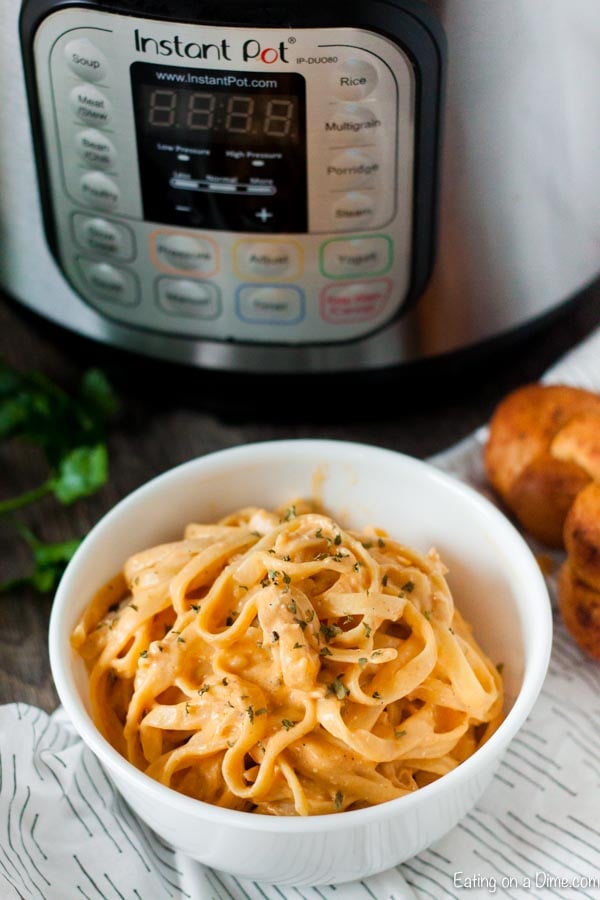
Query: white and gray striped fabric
column 65, row 832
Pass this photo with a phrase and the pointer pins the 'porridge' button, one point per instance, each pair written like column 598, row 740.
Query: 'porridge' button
column 86, row 60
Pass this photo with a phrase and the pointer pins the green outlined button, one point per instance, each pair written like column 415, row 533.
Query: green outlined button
column 362, row 255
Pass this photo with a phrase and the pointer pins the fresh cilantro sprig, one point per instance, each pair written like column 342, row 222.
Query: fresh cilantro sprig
column 70, row 430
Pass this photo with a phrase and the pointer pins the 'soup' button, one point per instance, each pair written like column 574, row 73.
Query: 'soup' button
column 86, row 60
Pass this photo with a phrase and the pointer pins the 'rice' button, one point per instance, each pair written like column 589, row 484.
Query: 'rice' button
column 354, row 79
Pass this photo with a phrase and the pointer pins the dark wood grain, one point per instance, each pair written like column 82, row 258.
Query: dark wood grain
column 169, row 415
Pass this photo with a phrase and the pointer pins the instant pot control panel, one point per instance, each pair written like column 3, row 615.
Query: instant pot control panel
column 234, row 183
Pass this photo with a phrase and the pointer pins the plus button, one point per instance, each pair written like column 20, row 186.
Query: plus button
column 264, row 215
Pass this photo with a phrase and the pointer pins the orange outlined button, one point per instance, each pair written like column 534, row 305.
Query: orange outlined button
column 182, row 253
column 263, row 260
column 354, row 302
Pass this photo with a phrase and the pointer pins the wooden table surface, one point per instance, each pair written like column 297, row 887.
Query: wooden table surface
column 169, row 415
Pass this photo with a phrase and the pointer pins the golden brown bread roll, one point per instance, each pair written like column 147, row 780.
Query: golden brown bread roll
column 543, row 459
column 579, row 607
column 535, row 469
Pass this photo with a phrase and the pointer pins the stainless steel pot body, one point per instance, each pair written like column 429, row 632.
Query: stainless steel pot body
column 519, row 201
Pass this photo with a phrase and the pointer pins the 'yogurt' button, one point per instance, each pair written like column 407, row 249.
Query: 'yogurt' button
column 194, row 299
column 351, row 168
column 101, row 236
column 184, row 252
column 356, row 256
column 353, row 210
column 85, row 60
column 110, row 282
column 90, row 105
column 95, row 149
column 354, row 79
column 98, row 190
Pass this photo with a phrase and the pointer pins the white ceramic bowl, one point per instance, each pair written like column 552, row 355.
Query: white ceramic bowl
column 496, row 584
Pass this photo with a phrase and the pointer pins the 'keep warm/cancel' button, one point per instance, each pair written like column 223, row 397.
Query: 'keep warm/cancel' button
column 354, row 302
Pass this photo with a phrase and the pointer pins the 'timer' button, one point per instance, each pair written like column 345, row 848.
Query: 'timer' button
column 280, row 304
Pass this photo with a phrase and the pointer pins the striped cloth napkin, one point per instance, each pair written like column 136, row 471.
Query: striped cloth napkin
column 66, row 833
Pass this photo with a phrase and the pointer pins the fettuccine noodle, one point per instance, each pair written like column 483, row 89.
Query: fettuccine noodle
column 276, row 663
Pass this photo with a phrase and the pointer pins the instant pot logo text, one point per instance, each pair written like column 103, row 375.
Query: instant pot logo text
column 250, row 50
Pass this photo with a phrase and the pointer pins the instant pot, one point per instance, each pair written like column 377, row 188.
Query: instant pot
column 294, row 186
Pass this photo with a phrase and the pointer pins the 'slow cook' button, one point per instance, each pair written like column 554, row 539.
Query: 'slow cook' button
column 86, row 60
column 194, row 299
column 99, row 191
column 110, row 282
column 102, row 236
column 270, row 304
column 95, row 149
column 90, row 105
column 355, row 302
column 184, row 253
column 268, row 259
column 356, row 256
column 351, row 168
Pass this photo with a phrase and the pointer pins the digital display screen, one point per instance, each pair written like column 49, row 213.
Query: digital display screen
column 255, row 116
column 222, row 150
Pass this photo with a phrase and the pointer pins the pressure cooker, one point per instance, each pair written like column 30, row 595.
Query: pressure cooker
column 295, row 186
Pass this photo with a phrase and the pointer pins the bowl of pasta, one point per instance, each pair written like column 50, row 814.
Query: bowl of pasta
column 301, row 661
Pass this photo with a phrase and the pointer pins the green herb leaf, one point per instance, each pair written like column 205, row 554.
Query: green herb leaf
column 81, row 473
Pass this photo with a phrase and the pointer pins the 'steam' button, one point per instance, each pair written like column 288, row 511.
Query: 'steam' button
column 353, row 210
